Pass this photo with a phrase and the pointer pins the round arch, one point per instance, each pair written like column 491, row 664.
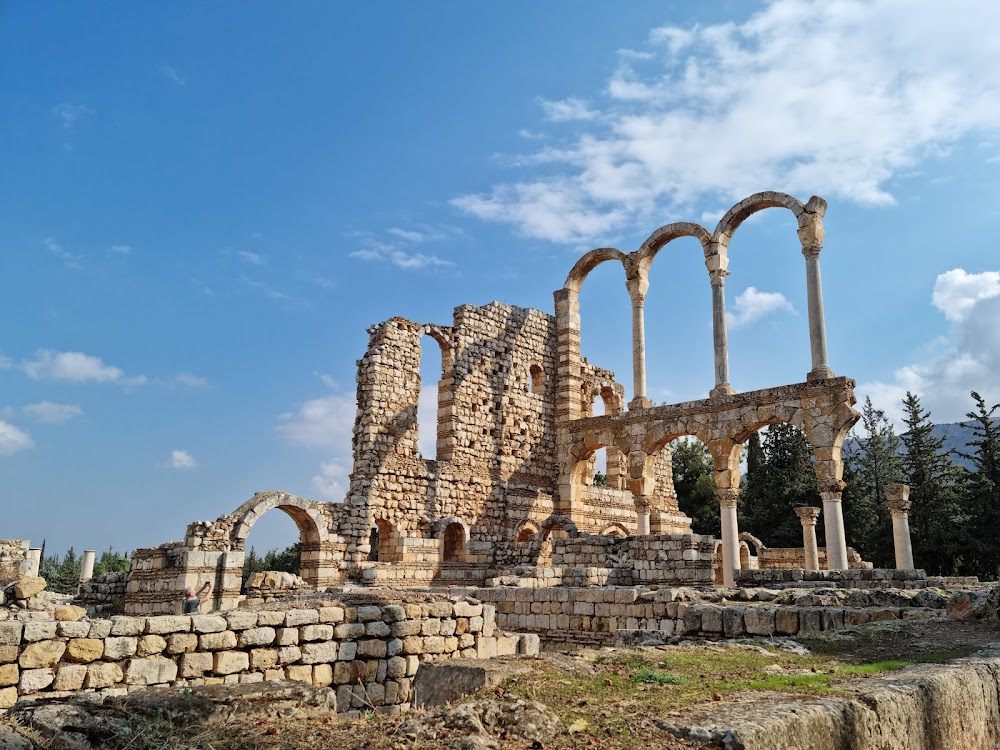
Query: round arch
column 589, row 262
column 747, row 207
column 615, row 529
column 526, row 532
column 454, row 534
column 643, row 257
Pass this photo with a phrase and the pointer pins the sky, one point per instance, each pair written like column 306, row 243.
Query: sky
column 203, row 207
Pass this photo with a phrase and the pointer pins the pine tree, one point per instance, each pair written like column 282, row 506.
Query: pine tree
column 695, row 486
column 982, row 492
column 937, row 518
column 873, row 462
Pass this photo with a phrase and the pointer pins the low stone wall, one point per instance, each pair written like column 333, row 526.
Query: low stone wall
column 103, row 595
column 369, row 652
column 864, row 578
column 586, row 616
column 795, row 557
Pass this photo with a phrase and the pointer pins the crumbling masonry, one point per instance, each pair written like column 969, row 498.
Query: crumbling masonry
column 511, row 492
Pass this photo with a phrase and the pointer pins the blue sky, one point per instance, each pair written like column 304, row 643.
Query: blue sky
column 205, row 206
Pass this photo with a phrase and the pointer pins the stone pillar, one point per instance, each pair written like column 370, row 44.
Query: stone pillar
column 811, row 237
column 807, row 516
column 833, row 526
column 87, row 565
column 730, row 534
column 720, row 337
column 637, row 288
column 897, row 498
column 32, row 562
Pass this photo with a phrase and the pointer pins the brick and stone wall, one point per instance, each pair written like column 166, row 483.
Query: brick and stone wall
column 369, row 652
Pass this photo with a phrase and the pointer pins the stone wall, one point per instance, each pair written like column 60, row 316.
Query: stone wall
column 369, row 652
column 103, row 595
column 13, row 554
column 795, row 557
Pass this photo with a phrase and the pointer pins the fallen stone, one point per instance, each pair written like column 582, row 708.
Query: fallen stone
column 440, row 683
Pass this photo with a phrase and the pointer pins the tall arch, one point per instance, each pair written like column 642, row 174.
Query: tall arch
column 591, row 260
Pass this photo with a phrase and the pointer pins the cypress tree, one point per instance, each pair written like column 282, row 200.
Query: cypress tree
column 982, row 492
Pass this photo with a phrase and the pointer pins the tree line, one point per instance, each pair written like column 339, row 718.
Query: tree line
column 62, row 574
column 954, row 506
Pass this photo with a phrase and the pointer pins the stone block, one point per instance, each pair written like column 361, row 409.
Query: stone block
column 8, row 654
column 196, row 664
column 348, row 651
column 333, row 615
column 270, row 619
column 732, row 622
column 117, row 648
column 322, row 675
column 393, row 613
column 369, row 614
column 128, row 625
column 287, row 636
column 231, row 662
column 84, row 651
column 295, row 618
column 208, row 624
column 379, row 629
column 70, row 677
column 349, row 630
column 9, row 675
column 759, row 621
column 321, row 653
column 28, row 586
column 376, row 649
column 256, row 637
column 99, row 629
column 242, row 620
column 263, row 658
column 166, row 624
column 711, row 619
column 69, row 613
column 181, row 643
column 315, row 633
column 73, row 629
column 692, row 620
column 8, row 697
column 33, row 680
column 150, row 645
column 102, row 675
column 786, row 621
column 39, row 630
column 41, row 654
column 299, row 673
column 222, row 641
column 10, row 633
column 289, row 654
column 810, row 620
column 156, row 670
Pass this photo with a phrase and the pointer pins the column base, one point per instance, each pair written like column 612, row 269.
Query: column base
column 821, row 373
column 640, row 402
column 723, row 389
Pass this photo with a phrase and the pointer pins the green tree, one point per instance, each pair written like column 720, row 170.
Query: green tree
column 779, row 476
column 111, row 562
column 695, row 486
column 982, row 492
column 872, row 462
column 937, row 517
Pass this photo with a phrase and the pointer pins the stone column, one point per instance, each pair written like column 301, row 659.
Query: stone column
column 730, row 534
column 811, row 237
column 87, row 565
column 833, row 526
column 897, row 498
column 807, row 516
column 32, row 562
column 637, row 287
column 720, row 337
column 642, row 515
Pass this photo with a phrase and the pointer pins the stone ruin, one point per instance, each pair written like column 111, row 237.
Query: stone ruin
column 511, row 495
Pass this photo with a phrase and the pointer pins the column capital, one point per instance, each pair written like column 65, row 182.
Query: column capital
column 807, row 514
column 642, row 504
column 637, row 287
column 811, row 236
column 718, row 276
column 897, row 498
column 727, row 497
column 831, row 496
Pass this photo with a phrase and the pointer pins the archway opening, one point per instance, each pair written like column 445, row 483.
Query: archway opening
column 526, row 534
column 274, row 544
column 694, row 482
column 385, row 542
column 606, row 321
column 536, row 380
column 453, row 543
column 431, row 372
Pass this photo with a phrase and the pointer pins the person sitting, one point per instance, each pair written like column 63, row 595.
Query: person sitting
column 192, row 600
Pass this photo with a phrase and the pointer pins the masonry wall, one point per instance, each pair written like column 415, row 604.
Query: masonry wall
column 13, row 554
column 368, row 652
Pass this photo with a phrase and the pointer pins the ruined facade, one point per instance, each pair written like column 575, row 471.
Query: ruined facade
column 512, row 483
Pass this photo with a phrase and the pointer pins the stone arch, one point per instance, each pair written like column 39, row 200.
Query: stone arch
column 743, row 210
column 717, row 563
column 744, row 556
column 615, row 529
column 589, row 262
column 454, row 534
column 642, row 258
column 758, row 545
column 536, row 379
column 389, row 547
column 555, row 522
column 526, row 532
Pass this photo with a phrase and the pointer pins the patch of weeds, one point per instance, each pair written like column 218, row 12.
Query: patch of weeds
column 656, row 677
column 941, row 656
column 875, row 667
column 819, row 683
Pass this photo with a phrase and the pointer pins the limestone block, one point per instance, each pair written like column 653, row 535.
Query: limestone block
column 116, row 648
column 150, row 645
column 396, row 667
column 692, row 620
column 69, row 613
column 404, row 628
column 9, row 675
column 297, row 617
column 331, row 614
column 217, row 641
column 41, row 654
column 70, row 677
column 231, row 662
column 320, row 653
column 99, row 629
column 289, row 654
column 393, row 613
column 274, row 675
column 181, row 643
column 8, row 697
column 856, row 617
column 270, row 619
column 732, row 622
column 368, row 614
column 810, row 620
column 128, row 625
column 413, row 644
column 786, row 621
column 84, row 651
column 711, row 619
column 468, row 609
column 342, row 673
column 39, row 631
column 299, row 673
column 348, row 651
column 375, row 649
column 377, row 629
column 102, row 675
column 155, row 670
column 165, row 624
column 759, row 621
column 208, row 623
column 322, row 675
column 315, row 633
column 263, row 658
column 486, row 648
column 73, row 629
column 10, row 633
column 33, row 680
column 349, row 630
column 241, row 620
column 196, row 664
column 258, row 637
column 28, row 586
column 287, row 636
column 8, row 654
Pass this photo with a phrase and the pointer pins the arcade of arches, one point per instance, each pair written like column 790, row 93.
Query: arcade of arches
column 516, row 438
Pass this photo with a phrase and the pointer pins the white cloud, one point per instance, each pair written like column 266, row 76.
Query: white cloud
column 956, row 292
column 269, row 291
column 753, row 305
column 191, row 381
column 566, row 110
column 254, row 259
column 806, row 96
column 407, row 235
column 13, row 440
column 326, row 422
column 328, row 381
column 69, row 114
column 172, row 75
column 75, row 367
column 401, row 258
column 970, row 360
column 71, row 260
column 181, row 460
column 333, row 480
column 120, row 250
column 52, row 413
